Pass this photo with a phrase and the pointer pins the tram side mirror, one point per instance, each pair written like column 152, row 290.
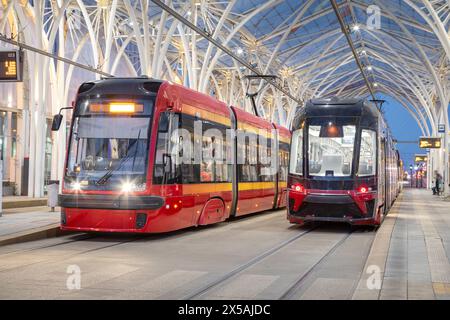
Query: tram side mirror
column 57, row 120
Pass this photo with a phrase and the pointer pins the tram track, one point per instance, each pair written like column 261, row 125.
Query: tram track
column 80, row 238
column 292, row 289
column 252, row 262
column 297, row 285
column 83, row 237
column 252, row 218
column 69, row 256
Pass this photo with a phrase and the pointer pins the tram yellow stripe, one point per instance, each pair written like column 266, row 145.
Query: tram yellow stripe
column 225, row 186
column 245, row 127
column 207, row 187
column 205, row 115
column 244, row 186
column 284, row 139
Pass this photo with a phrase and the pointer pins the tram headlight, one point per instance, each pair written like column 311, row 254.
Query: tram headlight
column 75, row 186
column 127, row 187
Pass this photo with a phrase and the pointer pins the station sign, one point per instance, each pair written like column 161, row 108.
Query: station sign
column 418, row 158
column 441, row 128
column 11, row 66
column 430, row 143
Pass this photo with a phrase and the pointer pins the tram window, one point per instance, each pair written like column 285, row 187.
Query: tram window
column 367, row 154
column 329, row 155
column 96, row 147
column 163, row 148
column 206, row 167
column 283, row 157
column 248, row 171
column 220, row 148
column 296, row 165
column 190, row 170
column 265, row 160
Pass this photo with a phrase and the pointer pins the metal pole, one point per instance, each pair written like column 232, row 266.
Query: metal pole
column 352, row 47
column 22, row 45
column 219, row 45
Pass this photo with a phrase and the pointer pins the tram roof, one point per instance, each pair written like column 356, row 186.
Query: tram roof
column 337, row 101
column 339, row 107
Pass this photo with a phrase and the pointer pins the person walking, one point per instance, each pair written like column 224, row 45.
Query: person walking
column 438, row 183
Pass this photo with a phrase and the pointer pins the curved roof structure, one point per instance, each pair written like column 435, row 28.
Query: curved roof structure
column 403, row 46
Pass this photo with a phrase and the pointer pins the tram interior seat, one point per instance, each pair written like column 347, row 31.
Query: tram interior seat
column 332, row 163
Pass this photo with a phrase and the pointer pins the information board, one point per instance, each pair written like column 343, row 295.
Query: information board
column 430, row 143
column 10, row 66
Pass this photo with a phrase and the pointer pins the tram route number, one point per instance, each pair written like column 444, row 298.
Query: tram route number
column 247, row 310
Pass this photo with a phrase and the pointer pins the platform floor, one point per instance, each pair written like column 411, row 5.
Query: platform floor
column 256, row 257
column 18, row 220
column 11, row 202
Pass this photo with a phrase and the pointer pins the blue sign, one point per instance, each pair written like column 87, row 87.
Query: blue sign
column 441, row 128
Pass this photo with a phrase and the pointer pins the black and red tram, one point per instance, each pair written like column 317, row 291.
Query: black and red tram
column 343, row 163
column 125, row 169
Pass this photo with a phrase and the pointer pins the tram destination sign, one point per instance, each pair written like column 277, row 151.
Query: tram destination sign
column 430, row 143
column 11, row 66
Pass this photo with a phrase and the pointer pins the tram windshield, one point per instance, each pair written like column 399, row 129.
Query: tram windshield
column 330, row 149
column 108, row 147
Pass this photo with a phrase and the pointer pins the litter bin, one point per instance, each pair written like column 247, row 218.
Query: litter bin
column 52, row 193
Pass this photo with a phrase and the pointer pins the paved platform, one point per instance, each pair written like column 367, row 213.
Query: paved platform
column 412, row 250
column 11, row 202
column 256, row 257
column 24, row 224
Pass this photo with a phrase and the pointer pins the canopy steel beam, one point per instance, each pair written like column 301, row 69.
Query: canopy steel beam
column 352, row 47
column 24, row 46
column 219, row 45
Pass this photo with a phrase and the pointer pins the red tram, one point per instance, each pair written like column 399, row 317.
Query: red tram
column 135, row 160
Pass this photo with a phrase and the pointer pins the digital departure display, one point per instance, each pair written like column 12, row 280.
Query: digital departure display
column 418, row 158
column 430, row 143
column 10, row 66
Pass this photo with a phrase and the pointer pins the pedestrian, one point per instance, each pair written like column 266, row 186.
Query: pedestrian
column 438, row 182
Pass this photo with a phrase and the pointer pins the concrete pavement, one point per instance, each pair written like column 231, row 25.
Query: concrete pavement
column 409, row 255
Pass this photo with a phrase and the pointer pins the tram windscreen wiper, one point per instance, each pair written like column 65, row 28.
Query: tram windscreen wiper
column 110, row 172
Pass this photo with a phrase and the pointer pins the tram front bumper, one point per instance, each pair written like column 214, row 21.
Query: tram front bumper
column 107, row 213
column 336, row 206
column 110, row 202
